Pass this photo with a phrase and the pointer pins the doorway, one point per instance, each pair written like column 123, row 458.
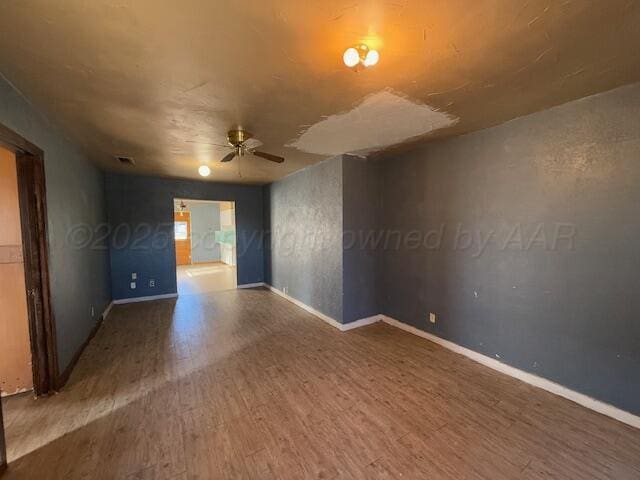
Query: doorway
column 205, row 244
column 16, row 375
column 27, row 251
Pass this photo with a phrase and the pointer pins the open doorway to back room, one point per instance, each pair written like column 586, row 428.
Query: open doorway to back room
column 16, row 374
column 205, row 239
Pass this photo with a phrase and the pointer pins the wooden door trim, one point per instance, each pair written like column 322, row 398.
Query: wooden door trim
column 33, row 218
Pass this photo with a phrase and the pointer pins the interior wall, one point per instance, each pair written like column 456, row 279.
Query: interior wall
column 528, row 243
column 205, row 220
column 361, row 206
column 76, row 217
column 16, row 374
column 266, row 240
column 305, row 217
column 140, row 211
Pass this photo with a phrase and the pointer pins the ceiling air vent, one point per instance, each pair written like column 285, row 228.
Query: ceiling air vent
column 126, row 160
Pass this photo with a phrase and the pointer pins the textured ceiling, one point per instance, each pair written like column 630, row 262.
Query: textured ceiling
column 158, row 80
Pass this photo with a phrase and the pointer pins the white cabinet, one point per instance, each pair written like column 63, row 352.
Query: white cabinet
column 228, row 254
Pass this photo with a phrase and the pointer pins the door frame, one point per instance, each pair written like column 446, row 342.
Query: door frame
column 33, row 219
column 202, row 200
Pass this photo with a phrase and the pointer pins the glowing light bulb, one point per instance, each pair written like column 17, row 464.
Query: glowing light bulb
column 372, row 58
column 351, row 57
column 204, row 171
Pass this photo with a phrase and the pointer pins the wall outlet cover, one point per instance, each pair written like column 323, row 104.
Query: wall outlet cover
column 133, row 285
column 134, row 276
column 432, row 317
column 152, row 283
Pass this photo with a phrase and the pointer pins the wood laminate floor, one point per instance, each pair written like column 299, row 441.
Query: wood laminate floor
column 205, row 278
column 242, row 384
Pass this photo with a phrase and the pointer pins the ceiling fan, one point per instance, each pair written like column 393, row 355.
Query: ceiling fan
column 242, row 143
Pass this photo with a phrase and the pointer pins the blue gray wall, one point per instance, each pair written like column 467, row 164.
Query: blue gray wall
column 140, row 212
column 305, row 215
column 205, row 220
column 318, row 217
column 361, row 207
column 562, row 306
column 266, row 240
column 75, row 203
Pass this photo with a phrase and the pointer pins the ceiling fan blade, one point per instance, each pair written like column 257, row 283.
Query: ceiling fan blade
column 268, row 156
column 251, row 143
column 228, row 157
column 209, row 143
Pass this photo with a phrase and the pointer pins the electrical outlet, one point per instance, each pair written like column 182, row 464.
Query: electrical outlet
column 432, row 317
column 284, row 290
column 152, row 283
column 92, row 312
column 134, row 276
column 133, row 285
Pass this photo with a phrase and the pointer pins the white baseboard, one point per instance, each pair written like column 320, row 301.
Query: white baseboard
column 107, row 310
column 530, row 378
column 251, row 285
column 363, row 322
column 149, row 298
column 331, row 321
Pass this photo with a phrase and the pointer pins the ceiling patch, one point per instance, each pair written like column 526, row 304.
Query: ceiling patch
column 380, row 120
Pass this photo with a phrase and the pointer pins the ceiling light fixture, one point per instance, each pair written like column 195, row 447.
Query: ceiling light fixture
column 360, row 56
column 204, row 171
column 182, row 207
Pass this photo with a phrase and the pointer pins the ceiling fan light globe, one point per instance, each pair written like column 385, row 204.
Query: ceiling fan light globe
column 372, row 58
column 204, row 171
column 351, row 57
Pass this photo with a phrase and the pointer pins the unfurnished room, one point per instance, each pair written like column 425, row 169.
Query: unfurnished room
column 330, row 240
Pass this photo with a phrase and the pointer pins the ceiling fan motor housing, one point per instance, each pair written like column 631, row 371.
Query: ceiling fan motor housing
column 237, row 137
